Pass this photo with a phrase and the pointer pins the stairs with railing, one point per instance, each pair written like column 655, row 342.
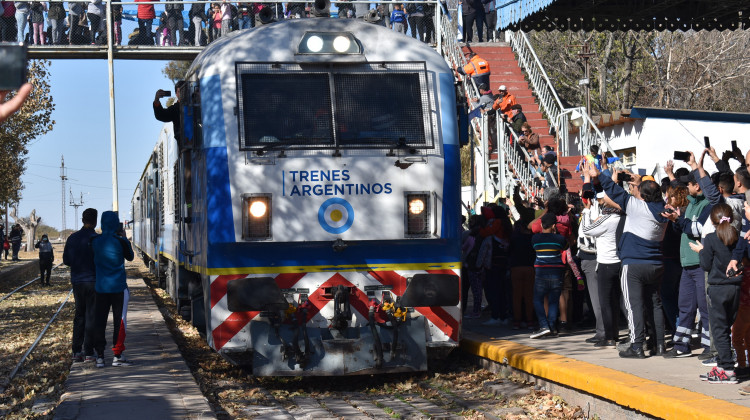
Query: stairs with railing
column 516, row 65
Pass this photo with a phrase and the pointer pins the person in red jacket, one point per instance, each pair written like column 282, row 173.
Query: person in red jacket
column 504, row 102
column 477, row 68
column 146, row 16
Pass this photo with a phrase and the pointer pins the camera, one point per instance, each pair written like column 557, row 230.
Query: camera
column 733, row 273
column 683, row 156
column 589, row 194
column 668, row 211
column 13, row 65
column 624, row 177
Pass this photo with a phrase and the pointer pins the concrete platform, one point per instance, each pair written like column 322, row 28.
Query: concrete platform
column 655, row 386
column 158, row 386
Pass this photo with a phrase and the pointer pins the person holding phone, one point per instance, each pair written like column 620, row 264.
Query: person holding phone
column 110, row 252
column 692, row 295
column 172, row 112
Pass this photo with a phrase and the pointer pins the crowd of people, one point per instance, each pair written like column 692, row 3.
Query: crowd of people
column 84, row 22
column 667, row 257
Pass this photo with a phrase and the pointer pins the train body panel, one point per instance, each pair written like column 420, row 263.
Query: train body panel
column 320, row 237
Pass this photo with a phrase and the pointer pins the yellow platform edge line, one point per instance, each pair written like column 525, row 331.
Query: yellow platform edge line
column 644, row 395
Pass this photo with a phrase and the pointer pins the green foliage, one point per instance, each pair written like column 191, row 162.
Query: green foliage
column 176, row 70
column 43, row 229
column 33, row 120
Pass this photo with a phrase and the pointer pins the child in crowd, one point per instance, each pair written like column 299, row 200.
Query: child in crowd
column 549, row 268
column 398, row 19
column 723, row 291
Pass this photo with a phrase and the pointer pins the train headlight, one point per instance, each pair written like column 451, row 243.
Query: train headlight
column 258, row 208
column 256, row 219
column 341, row 44
column 315, row 43
column 417, row 214
column 416, row 206
column 329, row 43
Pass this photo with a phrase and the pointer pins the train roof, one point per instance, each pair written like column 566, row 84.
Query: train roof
column 278, row 42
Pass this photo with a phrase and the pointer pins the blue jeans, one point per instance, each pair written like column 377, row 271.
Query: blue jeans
column 21, row 19
column 547, row 283
column 245, row 22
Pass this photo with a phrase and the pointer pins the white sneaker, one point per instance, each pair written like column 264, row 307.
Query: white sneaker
column 99, row 362
column 492, row 322
column 121, row 361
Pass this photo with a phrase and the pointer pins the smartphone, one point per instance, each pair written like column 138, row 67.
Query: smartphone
column 706, row 142
column 13, row 65
column 168, row 92
column 683, row 156
column 734, row 144
column 624, row 177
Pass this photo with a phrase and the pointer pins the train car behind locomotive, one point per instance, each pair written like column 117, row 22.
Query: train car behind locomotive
column 307, row 219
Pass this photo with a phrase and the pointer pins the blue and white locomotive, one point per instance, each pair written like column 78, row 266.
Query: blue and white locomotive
column 308, row 217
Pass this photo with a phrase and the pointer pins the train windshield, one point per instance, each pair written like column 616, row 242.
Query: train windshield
column 355, row 108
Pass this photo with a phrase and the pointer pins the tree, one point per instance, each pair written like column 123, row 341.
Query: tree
column 31, row 121
column 706, row 70
column 176, row 70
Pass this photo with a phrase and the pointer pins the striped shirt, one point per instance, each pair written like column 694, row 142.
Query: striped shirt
column 549, row 248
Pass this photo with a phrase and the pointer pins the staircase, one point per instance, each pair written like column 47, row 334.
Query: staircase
column 505, row 71
column 515, row 65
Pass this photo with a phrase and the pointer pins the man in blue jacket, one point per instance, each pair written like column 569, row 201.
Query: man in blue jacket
column 111, row 249
column 80, row 258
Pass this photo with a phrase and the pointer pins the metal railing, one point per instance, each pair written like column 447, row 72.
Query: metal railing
column 557, row 115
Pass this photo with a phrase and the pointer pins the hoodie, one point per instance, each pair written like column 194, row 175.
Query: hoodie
column 110, row 252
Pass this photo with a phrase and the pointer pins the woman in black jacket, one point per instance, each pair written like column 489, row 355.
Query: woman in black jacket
column 723, row 291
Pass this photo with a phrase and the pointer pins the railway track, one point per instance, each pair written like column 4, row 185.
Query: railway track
column 453, row 389
column 34, row 339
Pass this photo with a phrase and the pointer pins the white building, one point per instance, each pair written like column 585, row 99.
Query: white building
column 646, row 138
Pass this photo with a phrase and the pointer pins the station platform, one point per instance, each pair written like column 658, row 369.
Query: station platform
column 157, row 386
column 651, row 387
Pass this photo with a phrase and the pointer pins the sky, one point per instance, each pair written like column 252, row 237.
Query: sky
column 81, row 134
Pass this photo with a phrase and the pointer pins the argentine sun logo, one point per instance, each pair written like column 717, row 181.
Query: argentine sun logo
column 336, row 215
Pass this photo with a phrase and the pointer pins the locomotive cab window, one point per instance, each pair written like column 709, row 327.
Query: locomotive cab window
column 353, row 106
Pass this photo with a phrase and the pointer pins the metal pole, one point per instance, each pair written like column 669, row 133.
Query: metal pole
column 112, row 127
column 439, row 27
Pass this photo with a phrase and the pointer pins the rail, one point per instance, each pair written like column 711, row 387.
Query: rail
column 24, row 285
column 39, row 337
column 134, row 38
column 558, row 116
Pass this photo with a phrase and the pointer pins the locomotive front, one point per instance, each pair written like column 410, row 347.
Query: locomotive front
column 330, row 201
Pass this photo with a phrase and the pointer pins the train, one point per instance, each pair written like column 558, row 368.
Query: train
column 306, row 218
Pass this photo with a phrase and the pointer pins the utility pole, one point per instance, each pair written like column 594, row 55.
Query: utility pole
column 586, row 54
column 63, row 178
column 75, row 206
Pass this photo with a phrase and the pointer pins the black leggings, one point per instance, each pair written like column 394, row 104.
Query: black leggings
column 95, row 21
column 608, row 278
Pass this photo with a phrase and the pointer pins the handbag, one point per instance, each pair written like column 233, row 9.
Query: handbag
column 6, row 245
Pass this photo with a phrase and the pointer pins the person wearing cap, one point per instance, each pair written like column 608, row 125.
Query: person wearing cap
column 504, row 101
column 46, row 256
column 692, row 293
column 517, row 118
column 477, row 68
column 79, row 256
column 599, row 220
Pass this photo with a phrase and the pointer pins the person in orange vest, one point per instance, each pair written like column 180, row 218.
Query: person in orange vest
column 504, row 102
column 477, row 68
